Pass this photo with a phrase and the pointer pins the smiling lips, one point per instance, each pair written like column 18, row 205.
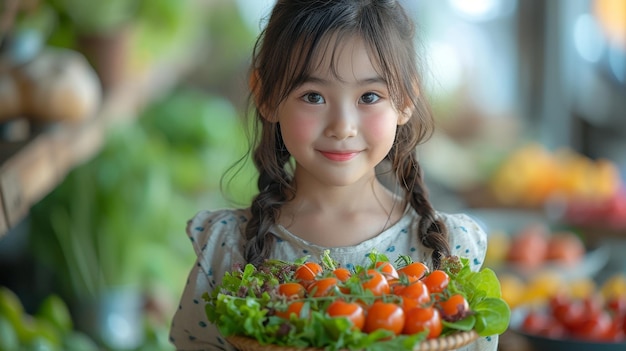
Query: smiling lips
column 339, row 156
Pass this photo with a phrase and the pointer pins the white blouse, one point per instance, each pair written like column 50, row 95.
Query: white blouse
column 218, row 239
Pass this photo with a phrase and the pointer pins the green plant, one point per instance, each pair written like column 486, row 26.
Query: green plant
column 119, row 219
column 100, row 16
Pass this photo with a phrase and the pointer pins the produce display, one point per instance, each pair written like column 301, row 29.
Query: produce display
column 584, row 191
column 535, row 261
column 590, row 318
column 385, row 305
column 535, row 245
column 532, row 175
column 571, row 318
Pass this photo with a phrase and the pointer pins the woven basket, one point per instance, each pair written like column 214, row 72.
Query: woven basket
column 450, row 342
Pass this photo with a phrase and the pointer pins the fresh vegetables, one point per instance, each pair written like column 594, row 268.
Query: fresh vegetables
column 591, row 318
column 380, row 306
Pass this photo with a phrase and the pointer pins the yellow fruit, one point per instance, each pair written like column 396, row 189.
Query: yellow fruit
column 607, row 179
column 513, row 289
column 497, row 248
column 582, row 287
column 542, row 286
column 614, row 286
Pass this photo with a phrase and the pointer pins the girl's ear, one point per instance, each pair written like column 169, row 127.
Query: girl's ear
column 405, row 115
column 254, row 83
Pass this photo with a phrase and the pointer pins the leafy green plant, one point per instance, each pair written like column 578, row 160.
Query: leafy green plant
column 106, row 224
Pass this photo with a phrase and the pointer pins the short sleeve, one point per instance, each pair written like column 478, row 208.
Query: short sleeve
column 217, row 240
column 467, row 239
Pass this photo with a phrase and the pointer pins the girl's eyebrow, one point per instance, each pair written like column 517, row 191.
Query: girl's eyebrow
column 364, row 81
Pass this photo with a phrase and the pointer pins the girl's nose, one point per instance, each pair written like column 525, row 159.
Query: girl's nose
column 342, row 123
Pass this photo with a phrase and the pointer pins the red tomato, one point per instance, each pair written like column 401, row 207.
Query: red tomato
column 617, row 305
column 375, row 282
column 535, row 322
column 323, row 287
column 291, row 290
column 387, row 269
column 343, row 274
column 593, row 327
column 454, row 308
column 423, row 318
column 570, row 313
column 308, row 271
column 614, row 333
column 351, row 310
column 415, row 269
column 292, row 308
column 384, row 315
column 416, row 291
column 398, row 284
column 437, row 281
column 539, row 322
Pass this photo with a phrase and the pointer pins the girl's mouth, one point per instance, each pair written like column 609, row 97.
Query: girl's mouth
column 339, row 156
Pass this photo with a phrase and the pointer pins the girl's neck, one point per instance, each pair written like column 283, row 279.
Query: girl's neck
column 341, row 215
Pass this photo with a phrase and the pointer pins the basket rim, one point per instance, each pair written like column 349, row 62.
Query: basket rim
column 449, row 342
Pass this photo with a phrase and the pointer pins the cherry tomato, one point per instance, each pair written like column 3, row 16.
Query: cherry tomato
column 614, row 333
column 415, row 269
column 423, row 318
column 436, row 281
column 343, row 274
column 323, row 287
column 384, row 315
column 540, row 322
column 351, row 310
column 454, row 308
column 387, row 269
column 291, row 290
column 570, row 313
column 617, row 305
column 416, row 291
column 375, row 282
column 294, row 307
column 593, row 327
column 308, row 271
column 535, row 321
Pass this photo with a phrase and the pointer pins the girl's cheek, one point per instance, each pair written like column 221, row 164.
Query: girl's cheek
column 380, row 125
column 300, row 128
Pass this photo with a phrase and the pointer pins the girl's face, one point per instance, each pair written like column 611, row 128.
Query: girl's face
column 339, row 124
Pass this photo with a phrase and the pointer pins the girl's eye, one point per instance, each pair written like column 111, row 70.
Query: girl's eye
column 313, row 98
column 369, row 98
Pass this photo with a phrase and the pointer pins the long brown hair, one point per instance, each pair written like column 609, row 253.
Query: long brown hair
column 284, row 56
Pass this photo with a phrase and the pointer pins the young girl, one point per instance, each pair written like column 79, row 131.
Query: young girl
column 340, row 111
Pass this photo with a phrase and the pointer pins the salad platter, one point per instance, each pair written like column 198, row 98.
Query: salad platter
column 317, row 305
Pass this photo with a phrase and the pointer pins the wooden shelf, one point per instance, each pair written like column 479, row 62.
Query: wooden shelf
column 30, row 169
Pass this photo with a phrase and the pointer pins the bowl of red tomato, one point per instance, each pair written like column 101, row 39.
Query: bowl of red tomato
column 573, row 324
column 316, row 305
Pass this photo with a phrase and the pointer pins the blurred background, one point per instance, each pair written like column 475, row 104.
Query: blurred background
column 119, row 117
